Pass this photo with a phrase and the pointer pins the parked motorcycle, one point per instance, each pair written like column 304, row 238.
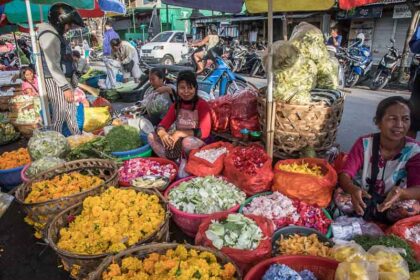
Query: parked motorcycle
column 414, row 67
column 386, row 67
column 239, row 58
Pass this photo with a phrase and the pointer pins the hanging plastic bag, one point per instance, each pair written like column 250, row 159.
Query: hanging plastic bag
column 348, row 252
column 311, row 189
column 357, row 271
column 391, row 265
column 199, row 166
column 249, row 168
column 400, row 229
column 245, row 259
column 96, row 118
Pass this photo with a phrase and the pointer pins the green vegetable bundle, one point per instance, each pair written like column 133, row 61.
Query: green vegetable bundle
column 327, row 73
column 90, row 74
column 42, row 165
column 123, row 138
column 96, row 148
column 48, row 143
column 7, row 133
column 367, row 241
column 293, row 85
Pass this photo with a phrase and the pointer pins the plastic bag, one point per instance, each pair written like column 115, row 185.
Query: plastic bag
column 220, row 110
column 200, row 167
column 349, row 252
column 250, row 183
column 399, row 229
column 391, row 265
column 245, row 259
column 310, row 41
column 313, row 190
column 357, row 271
column 345, row 228
column 96, row 118
column 244, row 113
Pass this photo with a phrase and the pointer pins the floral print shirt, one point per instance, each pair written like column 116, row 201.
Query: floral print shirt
column 403, row 170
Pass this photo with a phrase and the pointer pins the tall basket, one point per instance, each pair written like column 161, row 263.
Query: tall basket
column 299, row 126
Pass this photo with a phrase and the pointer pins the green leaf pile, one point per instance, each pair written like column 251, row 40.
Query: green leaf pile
column 123, row 138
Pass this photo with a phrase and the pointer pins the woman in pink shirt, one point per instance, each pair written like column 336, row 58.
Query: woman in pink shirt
column 30, row 84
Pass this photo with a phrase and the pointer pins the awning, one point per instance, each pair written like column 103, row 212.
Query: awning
column 350, row 4
column 227, row 6
column 258, row 6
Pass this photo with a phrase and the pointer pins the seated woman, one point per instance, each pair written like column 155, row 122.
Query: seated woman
column 29, row 85
column 389, row 165
column 157, row 102
column 191, row 117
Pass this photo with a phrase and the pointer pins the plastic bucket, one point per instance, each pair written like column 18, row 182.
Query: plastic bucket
column 10, row 178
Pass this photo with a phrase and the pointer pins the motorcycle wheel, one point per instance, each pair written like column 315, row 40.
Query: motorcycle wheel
column 236, row 65
column 379, row 82
column 352, row 79
column 255, row 69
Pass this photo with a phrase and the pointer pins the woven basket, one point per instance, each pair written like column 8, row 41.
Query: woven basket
column 143, row 251
column 299, row 126
column 26, row 130
column 43, row 212
column 79, row 265
column 4, row 102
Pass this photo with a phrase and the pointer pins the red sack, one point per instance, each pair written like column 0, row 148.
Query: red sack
column 245, row 259
column 220, row 109
column 201, row 167
column 313, row 190
column 244, row 113
column 399, row 229
column 249, row 168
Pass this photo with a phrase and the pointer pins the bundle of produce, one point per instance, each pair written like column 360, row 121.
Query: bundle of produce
column 150, row 182
column 391, row 265
column 409, row 229
column 293, row 85
column 312, row 217
column 244, row 114
column 244, row 238
column 90, row 74
column 207, row 160
column 42, row 165
column 180, row 263
column 77, row 140
column 390, row 241
column 61, row 186
column 297, row 244
column 327, row 77
column 361, row 270
column 96, row 148
column 139, row 167
column 249, row 168
column 7, row 133
column 205, row 195
column 285, row 55
column 48, row 143
column 25, row 108
column 281, row 271
column 13, row 159
column 309, row 40
column 112, row 222
column 309, row 180
column 123, row 138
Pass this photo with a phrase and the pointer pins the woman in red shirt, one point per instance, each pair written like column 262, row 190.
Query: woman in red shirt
column 186, row 124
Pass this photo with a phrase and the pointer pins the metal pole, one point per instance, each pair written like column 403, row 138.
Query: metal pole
column 284, row 25
column 167, row 17
column 269, row 100
column 38, row 66
column 134, row 21
column 41, row 13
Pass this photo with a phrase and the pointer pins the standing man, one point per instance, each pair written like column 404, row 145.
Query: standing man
column 57, row 63
column 124, row 52
column 109, row 34
column 335, row 39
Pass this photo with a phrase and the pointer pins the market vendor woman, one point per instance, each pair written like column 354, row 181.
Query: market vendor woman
column 191, row 117
column 388, row 165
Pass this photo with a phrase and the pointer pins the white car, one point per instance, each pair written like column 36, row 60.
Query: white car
column 165, row 48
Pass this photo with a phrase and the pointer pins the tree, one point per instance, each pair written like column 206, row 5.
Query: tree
column 415, row 13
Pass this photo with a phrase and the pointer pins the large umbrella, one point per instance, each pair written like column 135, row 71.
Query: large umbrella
column 22, row 11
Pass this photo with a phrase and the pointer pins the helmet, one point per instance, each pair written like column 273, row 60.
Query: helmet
column 360, row 38
column 61, row 14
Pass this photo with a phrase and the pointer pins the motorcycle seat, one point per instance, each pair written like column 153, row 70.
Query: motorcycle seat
column 173, row 68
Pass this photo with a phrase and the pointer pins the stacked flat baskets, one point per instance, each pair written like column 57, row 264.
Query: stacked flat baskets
column 300, row 126
column 41, row 213
column 80, row 265
column 142, row 252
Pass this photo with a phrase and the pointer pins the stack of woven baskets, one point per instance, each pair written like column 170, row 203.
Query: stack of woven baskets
column 18, row 108
column 4, row 99
column 299, row 126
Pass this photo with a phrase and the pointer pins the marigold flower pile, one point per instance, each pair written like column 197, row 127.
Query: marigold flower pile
column 13, row 159
column 179, row 264
column 303, row 168
column 112, row 222
column 61, row 186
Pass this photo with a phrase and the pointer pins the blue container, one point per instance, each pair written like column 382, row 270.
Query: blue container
column 93, row 82
column 120, row 78
column 10, row 178
column 134, row 152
